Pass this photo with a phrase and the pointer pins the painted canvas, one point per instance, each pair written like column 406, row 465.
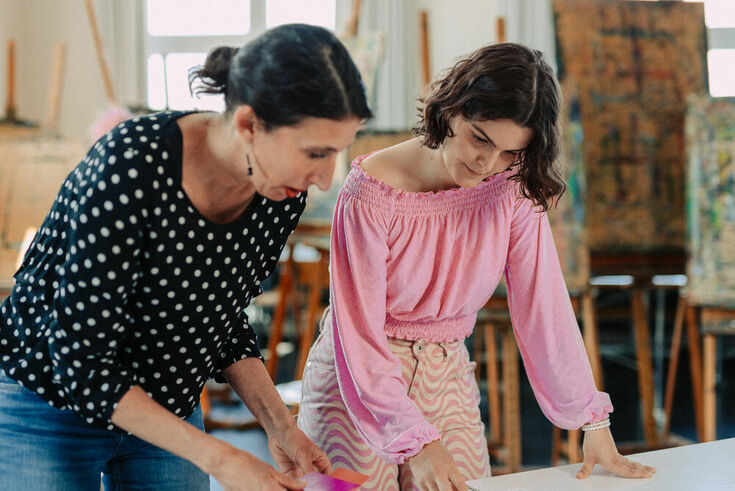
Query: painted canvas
column 568, row 218
column 710, row 143
column 633, row 65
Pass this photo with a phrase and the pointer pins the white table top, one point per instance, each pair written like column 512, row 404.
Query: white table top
column 701, row 466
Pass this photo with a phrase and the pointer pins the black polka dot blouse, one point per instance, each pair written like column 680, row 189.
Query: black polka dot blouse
column 126, row 283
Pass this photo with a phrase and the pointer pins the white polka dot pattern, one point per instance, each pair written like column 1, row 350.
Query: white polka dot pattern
column 127, row 284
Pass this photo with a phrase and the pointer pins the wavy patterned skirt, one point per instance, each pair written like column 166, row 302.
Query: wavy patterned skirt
column 439, row 379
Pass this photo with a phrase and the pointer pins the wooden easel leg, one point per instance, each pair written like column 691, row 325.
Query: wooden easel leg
column 695, row 367
column 710, row 395
column 645, row 376
column 673, row 365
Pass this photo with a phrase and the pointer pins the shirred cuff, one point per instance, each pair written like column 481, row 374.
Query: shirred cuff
column 408, row 443
column 600, row 415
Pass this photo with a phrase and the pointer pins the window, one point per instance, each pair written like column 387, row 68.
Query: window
column 719, row 15
column 197, row 18
column 179, row 33
column 317, row 12
column 721, row 63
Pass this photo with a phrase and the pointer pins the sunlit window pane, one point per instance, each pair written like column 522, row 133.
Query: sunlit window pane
column 316, row 12
column 177, row 78
column 156, row 82
column 718, row 13
column 197, row 17
column 721, row 64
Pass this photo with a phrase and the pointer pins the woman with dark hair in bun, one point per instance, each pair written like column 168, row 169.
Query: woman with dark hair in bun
column 422, row 233
column 132, row 293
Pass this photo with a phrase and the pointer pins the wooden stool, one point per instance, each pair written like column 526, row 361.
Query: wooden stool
column 715, row 322
column 505, row 445
column 638, row 286
column 313, row 279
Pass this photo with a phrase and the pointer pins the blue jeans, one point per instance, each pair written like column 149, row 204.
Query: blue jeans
column 44, row 448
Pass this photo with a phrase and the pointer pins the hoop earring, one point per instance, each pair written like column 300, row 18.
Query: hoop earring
column 250, row 166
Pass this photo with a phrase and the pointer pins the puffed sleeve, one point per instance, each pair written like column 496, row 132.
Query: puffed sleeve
column 545, row 325
column 104, row 203
column 368, row 373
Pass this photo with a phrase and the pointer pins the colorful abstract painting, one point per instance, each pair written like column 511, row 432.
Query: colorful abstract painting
column 710, row 143
column 633, row 64
column 567, row 218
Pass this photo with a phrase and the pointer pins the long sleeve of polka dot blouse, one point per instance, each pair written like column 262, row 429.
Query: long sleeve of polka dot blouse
column 126, row 283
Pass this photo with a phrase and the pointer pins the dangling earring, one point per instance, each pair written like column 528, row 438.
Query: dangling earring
column 250, row 166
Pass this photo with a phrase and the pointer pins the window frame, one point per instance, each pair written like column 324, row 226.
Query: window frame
column 166, row 45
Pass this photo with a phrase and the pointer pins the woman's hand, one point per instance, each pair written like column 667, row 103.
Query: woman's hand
column 237, row 470
column 433, row 468
column 296, row 455
column 599, row 448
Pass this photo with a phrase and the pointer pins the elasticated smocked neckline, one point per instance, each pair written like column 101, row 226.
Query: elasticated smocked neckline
column 371, row 190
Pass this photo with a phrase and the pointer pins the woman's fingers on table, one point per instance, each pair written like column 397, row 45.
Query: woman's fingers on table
column 621, row 466
column 639, row 469
column 458, row 482
column 628, row 468
column 586, row 470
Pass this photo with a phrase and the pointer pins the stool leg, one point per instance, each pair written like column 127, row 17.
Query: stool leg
column 645, row 376
column 511, row 399
column 477, row 352
column 306, row 338
column 493, row 387
column 556, row 444
column 591, row 339
column 709, row 389
column 568, row 447
column 673, row 365
column 573, row 452
column 695, row 367
column 204, row 402
column 276, row 331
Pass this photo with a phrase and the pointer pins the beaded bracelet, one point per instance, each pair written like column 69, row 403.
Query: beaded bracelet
column 597, row 425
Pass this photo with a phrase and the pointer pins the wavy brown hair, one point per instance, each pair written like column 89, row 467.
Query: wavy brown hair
column 503, row 81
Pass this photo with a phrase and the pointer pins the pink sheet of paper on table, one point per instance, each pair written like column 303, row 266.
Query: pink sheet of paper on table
column 320, row 482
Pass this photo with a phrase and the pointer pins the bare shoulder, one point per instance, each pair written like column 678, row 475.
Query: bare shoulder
column 394, row 165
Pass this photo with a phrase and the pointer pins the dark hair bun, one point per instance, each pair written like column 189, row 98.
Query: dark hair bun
column 213, row 75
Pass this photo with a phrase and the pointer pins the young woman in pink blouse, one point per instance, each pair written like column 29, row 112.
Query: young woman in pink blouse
column 422, row 233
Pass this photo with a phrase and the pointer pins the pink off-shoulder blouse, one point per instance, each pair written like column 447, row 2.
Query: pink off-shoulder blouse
column 420, row 266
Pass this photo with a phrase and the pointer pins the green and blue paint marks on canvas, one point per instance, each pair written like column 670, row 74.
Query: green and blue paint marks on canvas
column 710, row 143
